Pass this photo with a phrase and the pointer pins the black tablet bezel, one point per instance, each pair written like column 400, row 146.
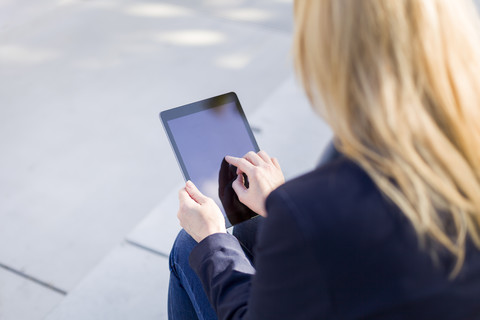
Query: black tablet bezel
column 198, row 106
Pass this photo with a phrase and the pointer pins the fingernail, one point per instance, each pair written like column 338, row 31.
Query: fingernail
column 189, row 184
column 228, row 158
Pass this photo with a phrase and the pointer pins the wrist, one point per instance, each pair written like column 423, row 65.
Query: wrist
column 209, row 233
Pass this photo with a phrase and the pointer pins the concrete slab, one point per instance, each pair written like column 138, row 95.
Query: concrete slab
column 22, row 299
column 14, row 14
column 274, row 14
column 158, row 230
column 129, row 283
column 84, row 157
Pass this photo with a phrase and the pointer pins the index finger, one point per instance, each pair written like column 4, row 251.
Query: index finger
column 241, row 163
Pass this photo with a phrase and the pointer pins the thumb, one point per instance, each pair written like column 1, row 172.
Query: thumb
column 238, row 186
column 194, row 193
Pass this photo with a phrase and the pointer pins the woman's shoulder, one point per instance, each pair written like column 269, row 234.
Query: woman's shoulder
column 340, row 175
column 335, row 200
column 346, row 221
column 338, row 184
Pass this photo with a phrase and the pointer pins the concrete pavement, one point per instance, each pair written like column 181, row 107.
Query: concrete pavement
column 85, row 165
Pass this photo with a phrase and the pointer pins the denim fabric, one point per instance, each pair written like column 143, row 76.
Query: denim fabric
column 186, row 297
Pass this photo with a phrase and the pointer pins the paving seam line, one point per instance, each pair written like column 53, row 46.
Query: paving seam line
column 33, row 279
column 140, row 246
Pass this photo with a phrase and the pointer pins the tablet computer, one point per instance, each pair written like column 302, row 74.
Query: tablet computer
column 201, row 135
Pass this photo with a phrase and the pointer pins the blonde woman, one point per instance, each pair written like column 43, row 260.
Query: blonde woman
column 390, row 229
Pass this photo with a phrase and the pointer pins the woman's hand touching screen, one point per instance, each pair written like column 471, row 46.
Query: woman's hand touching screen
column 264, row 175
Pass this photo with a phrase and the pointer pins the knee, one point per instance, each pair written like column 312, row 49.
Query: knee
column 181, row 249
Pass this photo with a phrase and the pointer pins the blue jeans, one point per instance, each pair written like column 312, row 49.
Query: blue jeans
column 186, row 297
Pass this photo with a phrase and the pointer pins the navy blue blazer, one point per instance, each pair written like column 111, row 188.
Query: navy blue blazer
column 332, row 247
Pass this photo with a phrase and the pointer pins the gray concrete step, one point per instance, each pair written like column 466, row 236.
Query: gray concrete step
column 129, row 283
column 23, row 299
column 84, row 157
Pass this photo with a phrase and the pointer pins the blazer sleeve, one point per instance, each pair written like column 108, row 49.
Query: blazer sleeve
column 288, row 282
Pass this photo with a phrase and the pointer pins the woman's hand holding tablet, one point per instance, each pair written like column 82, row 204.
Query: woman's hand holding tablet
column 199, row 215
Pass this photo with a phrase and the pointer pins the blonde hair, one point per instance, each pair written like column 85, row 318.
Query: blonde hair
column 399, row 83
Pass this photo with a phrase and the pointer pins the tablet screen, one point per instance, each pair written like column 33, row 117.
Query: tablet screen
column 202, row 134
